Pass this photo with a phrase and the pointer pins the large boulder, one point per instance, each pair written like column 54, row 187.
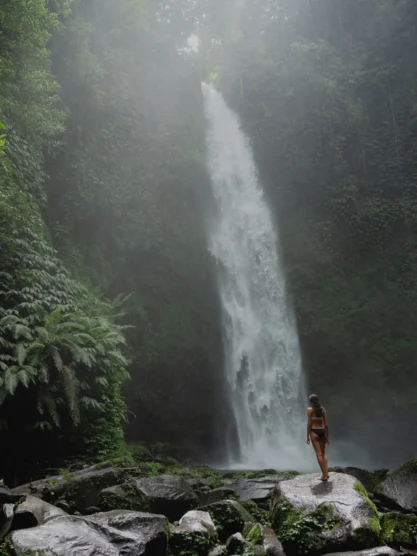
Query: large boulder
column 169, row 495
column 32, row 512
column 399, row 489
column 194, row 536
column 258, row 490
column 123, row 497
column 399, row 529
column 81, row 489
column 380, row 551
column 215, row 495
column 229, row 517
column 318, row 517
column 107, row 534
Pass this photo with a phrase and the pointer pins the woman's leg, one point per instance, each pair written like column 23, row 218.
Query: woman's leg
column 319, row 453
column 323, row 453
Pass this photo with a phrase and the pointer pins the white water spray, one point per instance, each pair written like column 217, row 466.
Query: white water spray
column 263, row 362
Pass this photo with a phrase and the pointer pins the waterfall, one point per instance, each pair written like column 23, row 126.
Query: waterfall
column 262, row 354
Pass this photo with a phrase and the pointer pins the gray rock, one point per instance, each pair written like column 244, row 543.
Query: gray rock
column 259, row 490
column 216, row 495
column 236, row 544
column 80, row 489
column 271, row 545
column 332, row 516
column 369, row 479
column 195, row 534
column 229, row 517
column 381, row 551
column 8, row 496
column 198, row 519
column 400, row 487
column 107, row 534
column 169, row 495
column 33, row 512
column 124, row 497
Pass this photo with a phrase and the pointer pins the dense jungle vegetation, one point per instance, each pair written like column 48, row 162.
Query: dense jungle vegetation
column 104, row 268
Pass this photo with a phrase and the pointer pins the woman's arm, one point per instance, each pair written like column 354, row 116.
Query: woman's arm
column 326, row 426
column 309, row 424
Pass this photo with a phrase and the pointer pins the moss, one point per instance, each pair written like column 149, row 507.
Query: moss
column 362, row 491
column 399, row 529
column 370, row 536
column 255, row 534
column 409, row 466
column 301, row 532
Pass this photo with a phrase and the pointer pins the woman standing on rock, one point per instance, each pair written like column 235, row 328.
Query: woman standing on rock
column 318, row 433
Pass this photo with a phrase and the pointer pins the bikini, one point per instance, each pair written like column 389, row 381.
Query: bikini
column 321, row 433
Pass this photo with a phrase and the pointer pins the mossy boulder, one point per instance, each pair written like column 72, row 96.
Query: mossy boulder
column 313, row 517
column 169, row 495
column 399, row 489
column 229, row 517
column 80, row 489
column 399, row 529
column 369, row 479
column 123, row 497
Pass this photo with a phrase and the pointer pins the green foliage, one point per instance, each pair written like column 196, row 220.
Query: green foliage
column 190, row 544
column 399, row 530
column 303, row 532
column 261, row 514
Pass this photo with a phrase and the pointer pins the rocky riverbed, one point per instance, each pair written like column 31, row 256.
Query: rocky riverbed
column 166, row 510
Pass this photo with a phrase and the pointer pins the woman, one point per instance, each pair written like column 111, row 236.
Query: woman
column 318, row 433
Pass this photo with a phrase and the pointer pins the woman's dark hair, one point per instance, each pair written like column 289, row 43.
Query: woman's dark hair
column 316, row 405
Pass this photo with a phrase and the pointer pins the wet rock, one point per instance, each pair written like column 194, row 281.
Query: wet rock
column 381, row 551
column 124, row 497
column 33, row 512
column 399, row 529
column 315, row 517
column 399, row 489
column 216, row 495
column 194, row 536
column 169, row 495
column 229, row 517
column 196, row 519
column 259, row 489
column 369, row 479
column 109, row 534
column 80, row 489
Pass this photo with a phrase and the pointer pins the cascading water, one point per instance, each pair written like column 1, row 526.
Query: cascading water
column 263, row 362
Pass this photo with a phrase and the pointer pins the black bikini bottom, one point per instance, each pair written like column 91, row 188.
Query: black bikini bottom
column 321, row 433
